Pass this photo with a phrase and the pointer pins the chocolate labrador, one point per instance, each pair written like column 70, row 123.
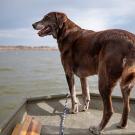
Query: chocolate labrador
column 109, row 53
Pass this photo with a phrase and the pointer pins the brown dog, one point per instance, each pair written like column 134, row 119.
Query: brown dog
column 109, row 53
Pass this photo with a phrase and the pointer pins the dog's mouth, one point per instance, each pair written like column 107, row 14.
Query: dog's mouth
column 45, row 31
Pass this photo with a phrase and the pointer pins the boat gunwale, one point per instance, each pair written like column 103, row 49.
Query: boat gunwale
column 12, row 114
column 60, row 96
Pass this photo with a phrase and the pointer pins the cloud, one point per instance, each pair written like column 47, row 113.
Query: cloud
column 17, row 17
column 16, row 33
column 24, row 36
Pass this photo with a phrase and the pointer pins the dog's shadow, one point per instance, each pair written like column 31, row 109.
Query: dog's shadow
column 114, row 127
column 45, row 108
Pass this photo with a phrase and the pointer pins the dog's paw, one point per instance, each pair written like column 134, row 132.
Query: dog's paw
column 121, row 126
column 86, row 105
column 75, row 109
column 95, row 130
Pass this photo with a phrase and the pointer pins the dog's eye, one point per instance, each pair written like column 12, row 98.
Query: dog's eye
column 46, row 18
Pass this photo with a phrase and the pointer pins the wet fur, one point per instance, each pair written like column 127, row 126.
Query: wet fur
column 110, row 54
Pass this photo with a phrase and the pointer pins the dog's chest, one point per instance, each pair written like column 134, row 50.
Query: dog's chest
column 81, row 64
column 83, row 70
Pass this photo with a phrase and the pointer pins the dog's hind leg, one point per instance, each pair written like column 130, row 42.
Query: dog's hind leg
column 127, row 83
column 105, row 92
column 85, row 93
column 126, row 94
column 107, row 80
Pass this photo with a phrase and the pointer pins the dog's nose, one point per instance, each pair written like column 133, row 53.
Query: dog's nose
column 33, row 25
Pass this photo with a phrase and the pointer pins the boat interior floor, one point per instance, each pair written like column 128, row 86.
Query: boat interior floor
column 49, row 113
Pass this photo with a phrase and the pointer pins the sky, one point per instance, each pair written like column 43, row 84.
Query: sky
column 17, row 16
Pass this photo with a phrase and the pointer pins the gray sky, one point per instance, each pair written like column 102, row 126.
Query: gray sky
column 16, row 17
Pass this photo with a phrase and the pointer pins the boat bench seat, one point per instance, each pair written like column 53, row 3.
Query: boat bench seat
column 30, row 126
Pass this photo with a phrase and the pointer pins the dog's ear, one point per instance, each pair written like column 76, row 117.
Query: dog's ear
column 61, row 18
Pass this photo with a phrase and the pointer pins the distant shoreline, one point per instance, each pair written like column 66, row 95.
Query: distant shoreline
column 27, row 48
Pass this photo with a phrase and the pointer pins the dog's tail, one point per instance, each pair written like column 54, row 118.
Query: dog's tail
column 128, row 75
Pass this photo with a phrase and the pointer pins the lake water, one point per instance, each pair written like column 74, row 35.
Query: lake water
column 33, row 73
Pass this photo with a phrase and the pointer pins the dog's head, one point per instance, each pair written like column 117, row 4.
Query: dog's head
column 50, row 24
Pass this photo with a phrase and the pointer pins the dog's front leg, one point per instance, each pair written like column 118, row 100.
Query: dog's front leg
column 85, row 93
column 71, row 84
